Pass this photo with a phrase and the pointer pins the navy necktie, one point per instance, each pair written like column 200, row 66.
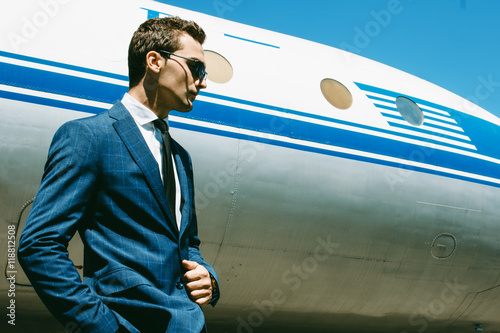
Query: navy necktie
column 167, row 167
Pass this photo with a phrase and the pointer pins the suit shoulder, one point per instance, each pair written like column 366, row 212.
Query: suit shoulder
column 97, row 122
column 90, row 121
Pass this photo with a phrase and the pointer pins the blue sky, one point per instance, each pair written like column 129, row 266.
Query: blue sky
column 452, row 43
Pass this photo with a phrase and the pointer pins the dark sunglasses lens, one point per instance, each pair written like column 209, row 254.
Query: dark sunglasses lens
column 200, row 71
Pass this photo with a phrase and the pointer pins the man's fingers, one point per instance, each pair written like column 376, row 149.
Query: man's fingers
column 197, row 282
column 201, row 284
column 201, row 297
column 203, row 301
column 197, row 273
column 199, row 293
column 190, row 265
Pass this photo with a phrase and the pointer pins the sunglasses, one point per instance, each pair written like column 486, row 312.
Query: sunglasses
column 197, row 69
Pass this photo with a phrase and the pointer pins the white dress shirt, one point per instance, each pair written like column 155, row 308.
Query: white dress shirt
column 144, row 118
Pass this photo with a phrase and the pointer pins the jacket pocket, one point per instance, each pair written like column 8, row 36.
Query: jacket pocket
column 119, row 280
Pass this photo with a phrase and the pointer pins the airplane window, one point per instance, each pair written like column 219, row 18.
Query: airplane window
column 218, row 68
column 410, row 111
column 336, row 93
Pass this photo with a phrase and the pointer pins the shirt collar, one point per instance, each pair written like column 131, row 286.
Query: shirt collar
column 141, row 114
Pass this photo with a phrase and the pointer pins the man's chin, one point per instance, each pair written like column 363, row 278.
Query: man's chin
column 185, row 107
column 186, row 110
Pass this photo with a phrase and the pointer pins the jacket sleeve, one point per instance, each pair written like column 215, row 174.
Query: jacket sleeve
column 63, row 201
column 194, row 244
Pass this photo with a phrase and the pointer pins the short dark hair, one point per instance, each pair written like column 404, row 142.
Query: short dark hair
column 157, row 34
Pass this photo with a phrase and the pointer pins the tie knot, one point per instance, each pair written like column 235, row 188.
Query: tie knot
column 161, row 125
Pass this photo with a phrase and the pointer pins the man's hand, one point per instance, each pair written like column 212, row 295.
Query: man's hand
column 197, row 282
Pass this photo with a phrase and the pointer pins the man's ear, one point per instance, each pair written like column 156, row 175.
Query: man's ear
column 154, row 61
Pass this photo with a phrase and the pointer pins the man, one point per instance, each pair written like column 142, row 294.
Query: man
column 108, row 178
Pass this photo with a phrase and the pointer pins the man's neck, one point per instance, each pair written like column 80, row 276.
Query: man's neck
column 148, row 100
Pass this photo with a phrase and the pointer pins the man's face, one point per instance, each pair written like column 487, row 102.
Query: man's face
column 177, row 89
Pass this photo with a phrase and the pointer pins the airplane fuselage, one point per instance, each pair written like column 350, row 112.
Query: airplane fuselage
column 317, row 217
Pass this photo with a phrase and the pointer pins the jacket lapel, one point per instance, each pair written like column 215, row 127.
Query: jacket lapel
column 131, row 136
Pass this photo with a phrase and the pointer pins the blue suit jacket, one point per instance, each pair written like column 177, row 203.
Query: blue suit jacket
column 102, row 180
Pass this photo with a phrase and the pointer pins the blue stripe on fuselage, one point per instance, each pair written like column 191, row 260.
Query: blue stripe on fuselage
column 242, row 118
column 357, row 157
column 309, row 132
column 63, row 65
column 61, row 84
column 50, row 102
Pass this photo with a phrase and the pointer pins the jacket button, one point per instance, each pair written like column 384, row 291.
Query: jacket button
column 179, row 285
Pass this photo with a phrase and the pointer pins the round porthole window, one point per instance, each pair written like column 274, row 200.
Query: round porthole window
column 218, row 68
column 410, row 111
column 336, row 93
